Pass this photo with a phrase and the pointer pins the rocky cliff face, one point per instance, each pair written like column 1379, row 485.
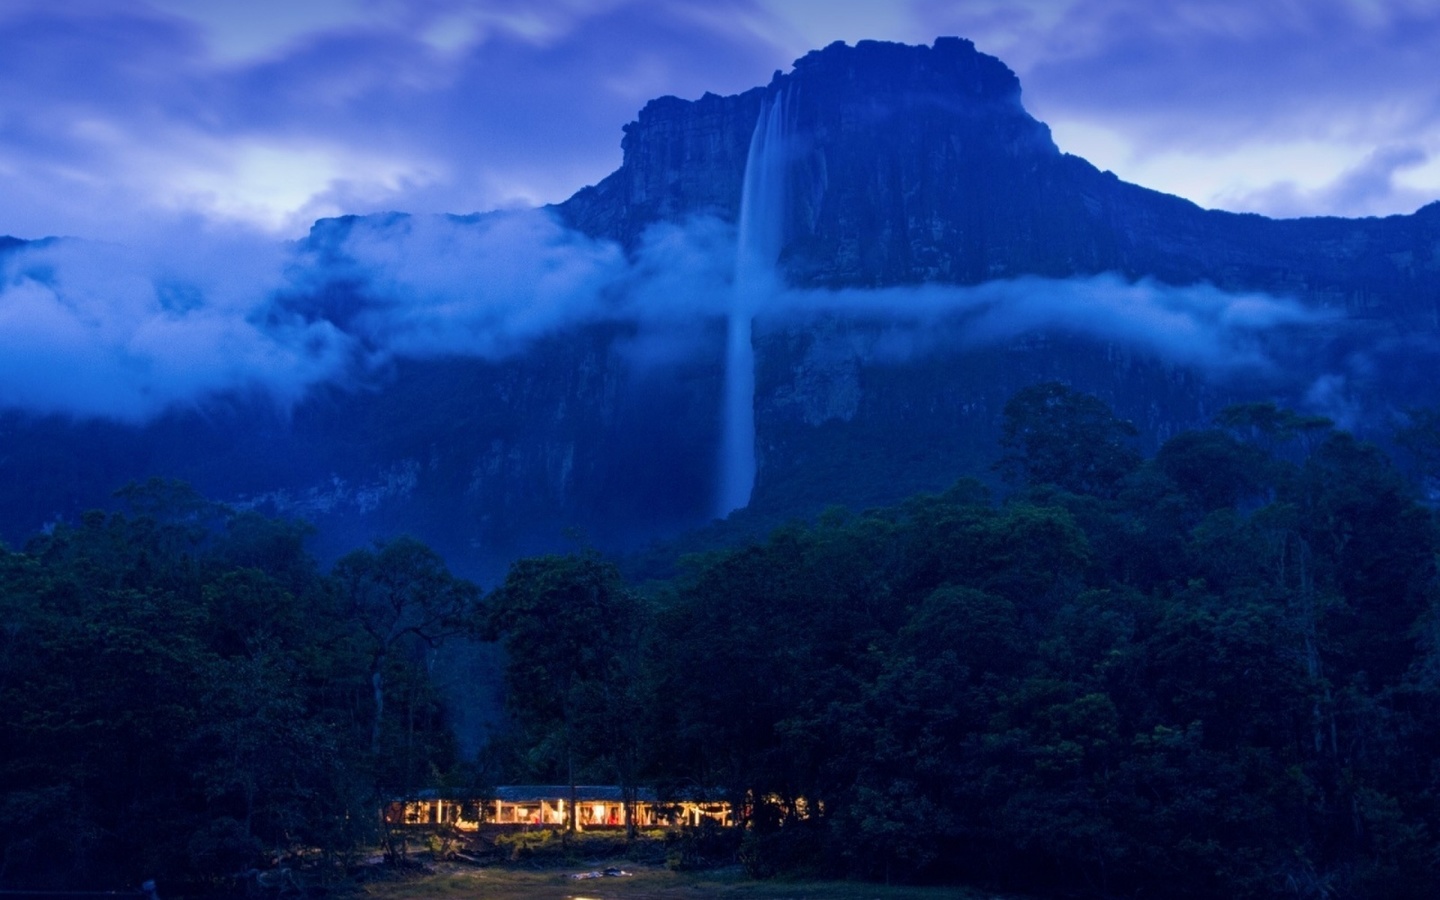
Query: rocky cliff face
column 920, row 164
column 906, row 166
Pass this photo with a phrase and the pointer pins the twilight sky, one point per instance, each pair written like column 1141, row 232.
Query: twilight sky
column 125, row 116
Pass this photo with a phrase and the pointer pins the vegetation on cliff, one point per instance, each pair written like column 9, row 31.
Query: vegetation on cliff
column 185, row 694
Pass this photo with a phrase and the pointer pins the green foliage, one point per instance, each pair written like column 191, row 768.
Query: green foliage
column 1053, row 434
column 578, row 690
column 405, row 603
column 796, row 851
column 1212, row 673
column 184, row 693
column 1272, row 428
column 1212, row 469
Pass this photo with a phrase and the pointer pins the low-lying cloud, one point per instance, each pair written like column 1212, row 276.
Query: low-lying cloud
column 109, row 331
column 1199, row 325
column 128, row 332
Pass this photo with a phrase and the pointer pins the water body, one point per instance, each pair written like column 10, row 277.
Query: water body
column 761, row 232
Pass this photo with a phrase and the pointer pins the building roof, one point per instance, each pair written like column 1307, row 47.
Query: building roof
column 534, row 793
column 531, row 793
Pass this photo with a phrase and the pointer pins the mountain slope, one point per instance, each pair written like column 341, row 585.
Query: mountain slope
column 912, row 176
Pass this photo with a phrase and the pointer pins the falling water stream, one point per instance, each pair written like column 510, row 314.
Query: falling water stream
column 761, row 231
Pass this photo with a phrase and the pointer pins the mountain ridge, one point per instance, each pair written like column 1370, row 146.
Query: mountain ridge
column 909, row 168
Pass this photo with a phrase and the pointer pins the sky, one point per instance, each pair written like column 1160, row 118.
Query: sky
column 184, row 144
column 126, row 117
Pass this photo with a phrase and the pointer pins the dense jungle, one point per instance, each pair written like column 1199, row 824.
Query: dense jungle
column 1214, row 672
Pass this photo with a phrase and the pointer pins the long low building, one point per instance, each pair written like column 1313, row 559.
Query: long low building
column 596, row 806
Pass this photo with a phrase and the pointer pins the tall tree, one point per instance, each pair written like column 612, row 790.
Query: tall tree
column 401, row 593
column 572, row 632
column 1054, row 434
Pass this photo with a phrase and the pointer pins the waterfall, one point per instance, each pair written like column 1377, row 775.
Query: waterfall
column 761, row 231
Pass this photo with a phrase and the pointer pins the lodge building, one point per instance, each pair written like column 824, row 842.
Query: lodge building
column 596, row 806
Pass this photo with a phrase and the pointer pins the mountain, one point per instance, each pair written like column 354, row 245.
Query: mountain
column 919, row 164
column 938, row 253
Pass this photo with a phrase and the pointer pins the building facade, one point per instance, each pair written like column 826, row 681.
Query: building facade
column 596, row 806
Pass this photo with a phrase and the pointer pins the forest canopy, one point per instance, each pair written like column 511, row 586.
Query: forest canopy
column 1212, row 672
column 186, row 695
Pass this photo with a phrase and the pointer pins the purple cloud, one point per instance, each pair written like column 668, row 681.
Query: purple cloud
column 1265, row 90
column 273, row 114
column 443, row 106
column 1213, row 72
column 1367, row 189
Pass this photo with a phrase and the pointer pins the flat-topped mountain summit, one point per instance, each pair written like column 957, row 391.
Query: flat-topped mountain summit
column 920, row 164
